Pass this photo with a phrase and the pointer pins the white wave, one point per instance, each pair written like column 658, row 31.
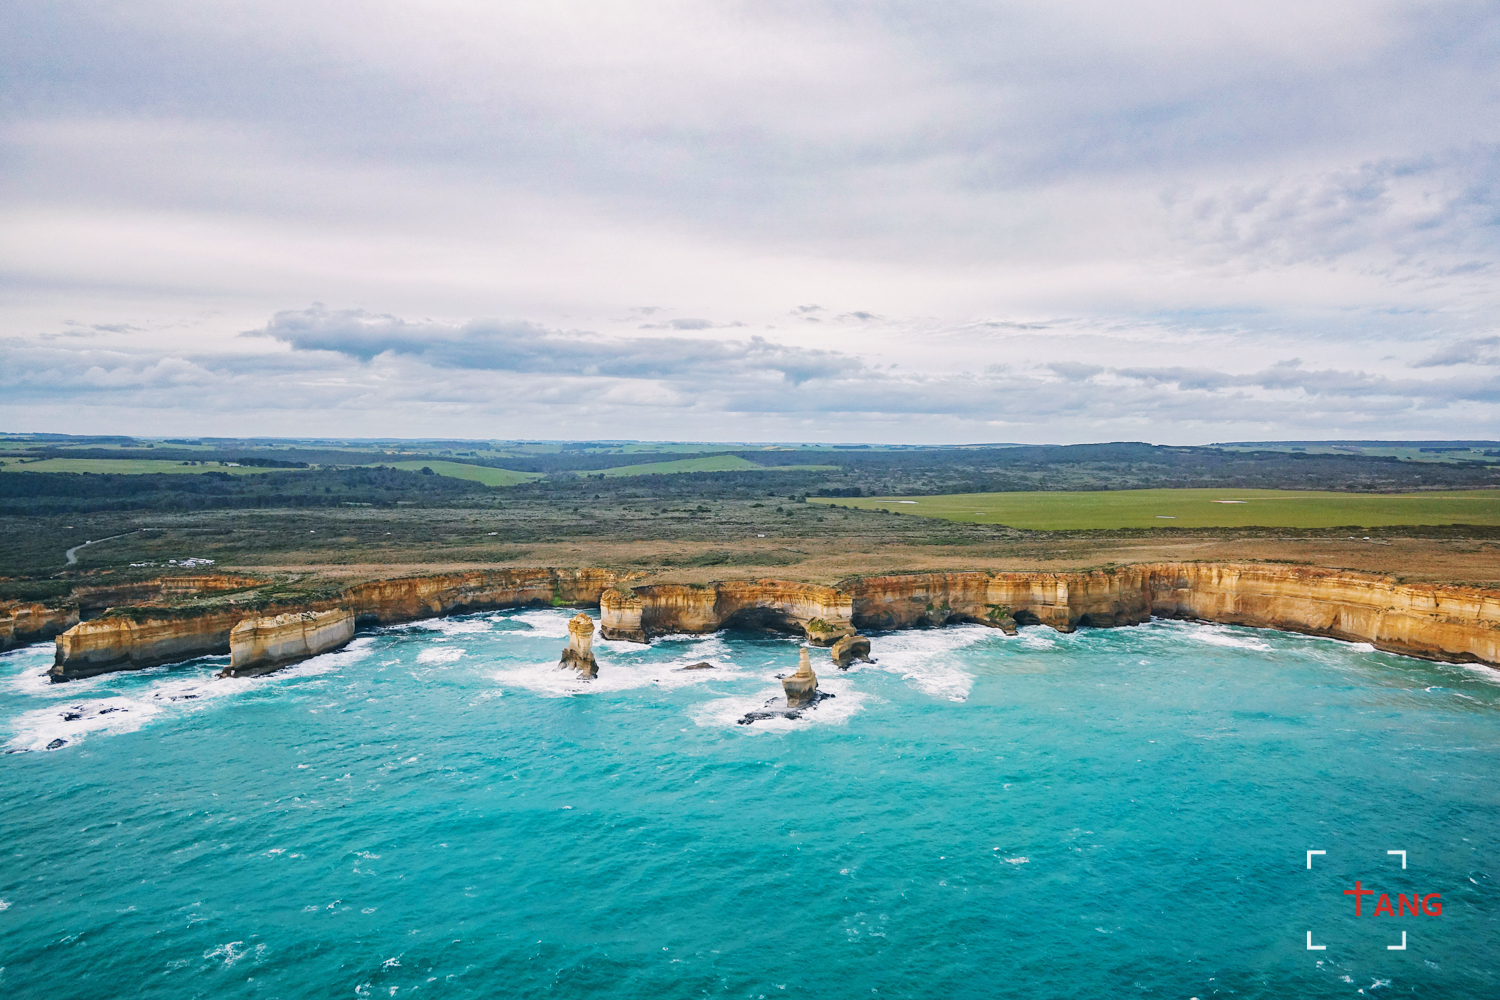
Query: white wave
column 27, row 668
column 550, row 622
column 70, row 723
column 454, row 626
column 1483, row 671
column 440, row 654
column 1038, row 637
column 726, row 713
column 1219, row 635
column 552, row 681
column 925, row 659
column 148, row 694
column 709, row 649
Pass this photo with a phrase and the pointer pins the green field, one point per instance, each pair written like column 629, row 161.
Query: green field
column 478, row 473
column 711, row 463
column 1194, row 508
column 126, row 466
column 1483, row 451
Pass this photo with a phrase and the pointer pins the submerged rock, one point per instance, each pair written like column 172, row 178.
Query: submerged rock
column 59, row 742
column 701, row 665
column 785, row 713
column 849, row 649
column 801, row 687
column 580, row 652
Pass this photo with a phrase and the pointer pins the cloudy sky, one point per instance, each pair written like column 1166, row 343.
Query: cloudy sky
column 865, row 221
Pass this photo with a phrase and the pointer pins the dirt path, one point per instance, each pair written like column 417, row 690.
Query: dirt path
column 72, row 553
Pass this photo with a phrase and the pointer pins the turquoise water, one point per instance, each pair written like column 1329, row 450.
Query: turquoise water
column 438, row 811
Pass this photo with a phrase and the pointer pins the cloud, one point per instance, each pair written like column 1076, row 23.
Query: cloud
column 527, row 348
column 1477, row 351
column 1154, row 199
column 1289, row 376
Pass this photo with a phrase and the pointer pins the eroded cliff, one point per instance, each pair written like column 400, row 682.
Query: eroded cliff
column 822, row 614
column 1444, row 623
column 134, row 637
column 260, row 645
column 21, row 623
column 1459, row 624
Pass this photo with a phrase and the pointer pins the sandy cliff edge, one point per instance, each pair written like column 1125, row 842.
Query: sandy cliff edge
column 1455, row 624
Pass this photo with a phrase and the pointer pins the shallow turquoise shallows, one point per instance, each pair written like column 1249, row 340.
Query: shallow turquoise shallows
column 438, row 811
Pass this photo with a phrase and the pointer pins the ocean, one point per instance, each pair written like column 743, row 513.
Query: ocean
column 438, row 811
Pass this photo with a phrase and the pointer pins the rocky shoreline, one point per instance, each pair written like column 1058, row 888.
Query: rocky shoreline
column 1453, row 624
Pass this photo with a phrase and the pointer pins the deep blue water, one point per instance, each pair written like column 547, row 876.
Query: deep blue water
column 438, row 811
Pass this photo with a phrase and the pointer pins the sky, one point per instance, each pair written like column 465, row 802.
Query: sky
column 892, row 221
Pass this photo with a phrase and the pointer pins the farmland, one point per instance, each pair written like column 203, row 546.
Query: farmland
column 126, row 466
column 1193, row 508
column 711, row 463
column 476, row 473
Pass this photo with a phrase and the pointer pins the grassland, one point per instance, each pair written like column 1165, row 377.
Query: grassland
column 475, row 473
column 1193, row 508
column 1406, row 451
column 126, row 466
column 719, row 516
column 710, row 463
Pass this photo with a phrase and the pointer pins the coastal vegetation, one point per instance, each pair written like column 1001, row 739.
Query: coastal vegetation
column 371, row 510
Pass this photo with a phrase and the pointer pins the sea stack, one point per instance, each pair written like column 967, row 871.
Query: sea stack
column 261, row 645
column 580, row 652
column 801, row 687
column 850, row 648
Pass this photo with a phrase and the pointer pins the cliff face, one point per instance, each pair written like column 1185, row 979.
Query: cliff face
column 1457, row 624
column 133, row 642
column 111, row 595
column 822, row 614
column 1442, row 623
column 23, row 623
column 385, row 602
column 261, row 645
column 146, row 636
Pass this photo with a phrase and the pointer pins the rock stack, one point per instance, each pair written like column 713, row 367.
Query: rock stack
column 850, row 648
column 801, row 687
column 580, row 652
column 261, row 645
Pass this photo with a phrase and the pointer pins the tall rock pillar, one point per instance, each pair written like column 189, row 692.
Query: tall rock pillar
column 801, row 687
column 580, row 652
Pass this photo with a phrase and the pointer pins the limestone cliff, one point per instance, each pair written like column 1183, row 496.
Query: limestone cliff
column 261, row 645
column 24, row 622
column 1460, row 624
column 131, row 638
column 1442, row 623
column 579, row 654
column 1426, row 620
column 144, row 639
column 98, row 596
column 385, row 602
column 822, row 614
